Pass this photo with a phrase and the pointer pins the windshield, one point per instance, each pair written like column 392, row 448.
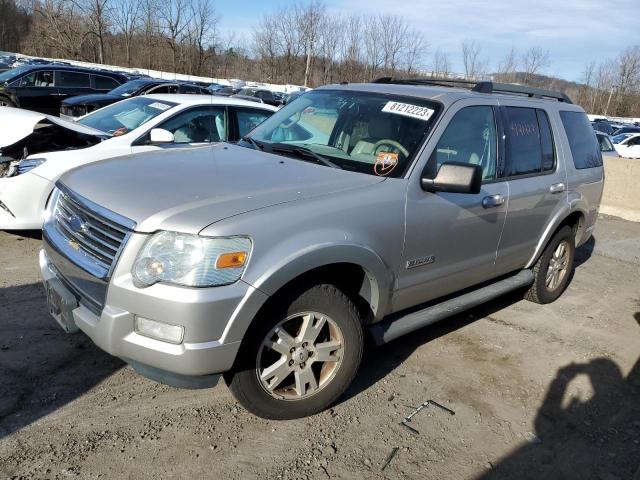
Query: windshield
column 14, row 72
column 372, row 133
column 129, row 88
column 122, row 117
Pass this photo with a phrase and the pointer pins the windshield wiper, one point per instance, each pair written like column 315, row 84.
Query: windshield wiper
column 253, row 143
column 305, row 152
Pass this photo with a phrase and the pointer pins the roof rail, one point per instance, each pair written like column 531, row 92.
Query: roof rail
column 481, row 87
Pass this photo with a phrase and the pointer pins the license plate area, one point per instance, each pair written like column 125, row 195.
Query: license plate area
column 61, row 303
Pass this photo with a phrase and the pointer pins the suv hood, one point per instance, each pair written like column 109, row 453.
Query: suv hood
column 187, row 189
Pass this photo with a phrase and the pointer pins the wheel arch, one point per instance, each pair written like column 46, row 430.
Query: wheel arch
column 356, row 270
column 574, row 217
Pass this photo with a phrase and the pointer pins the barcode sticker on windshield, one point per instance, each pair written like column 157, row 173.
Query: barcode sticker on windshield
column 408, row 110
column 159, row 106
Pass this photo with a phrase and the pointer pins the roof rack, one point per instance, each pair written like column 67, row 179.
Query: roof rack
column 480, row 87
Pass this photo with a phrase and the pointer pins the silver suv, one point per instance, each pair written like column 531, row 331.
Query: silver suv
column 357, row 211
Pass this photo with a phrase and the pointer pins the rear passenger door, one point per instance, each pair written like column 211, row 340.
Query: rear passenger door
column 71, row 84
column 537, row 182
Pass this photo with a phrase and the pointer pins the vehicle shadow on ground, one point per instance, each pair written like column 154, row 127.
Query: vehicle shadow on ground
column 596, row 438
column 379, row 362
column 41, row 367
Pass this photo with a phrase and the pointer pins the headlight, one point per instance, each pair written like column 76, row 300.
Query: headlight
column 191, row 260
column 29, row 164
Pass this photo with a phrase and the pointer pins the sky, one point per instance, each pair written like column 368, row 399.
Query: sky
column 574, row 31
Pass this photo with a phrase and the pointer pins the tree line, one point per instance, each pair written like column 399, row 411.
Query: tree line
column 301, row 44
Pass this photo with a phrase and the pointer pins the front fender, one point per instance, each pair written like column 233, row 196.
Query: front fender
column 376, row 287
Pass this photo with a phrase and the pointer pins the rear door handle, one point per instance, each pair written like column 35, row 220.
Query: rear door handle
column 492, row 201
column 557, row 188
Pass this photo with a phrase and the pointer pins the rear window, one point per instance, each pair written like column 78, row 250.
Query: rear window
column 585, row 149
column 529, row 141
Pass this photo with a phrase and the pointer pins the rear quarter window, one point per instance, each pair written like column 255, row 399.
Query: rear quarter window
column 584, row 146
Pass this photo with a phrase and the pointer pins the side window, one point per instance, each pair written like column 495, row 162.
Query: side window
column 582, row 142
column 470, row 137
column 546, row 139
column 104, row 83
column 43, row 78
column 161, row 89
column 524, row 141
column 248, row 119
column 72, row 79
column 198, row 125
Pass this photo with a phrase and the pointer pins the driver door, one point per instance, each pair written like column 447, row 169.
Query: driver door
column 451, row 239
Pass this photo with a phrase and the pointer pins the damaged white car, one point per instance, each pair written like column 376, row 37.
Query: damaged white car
column 36, row 149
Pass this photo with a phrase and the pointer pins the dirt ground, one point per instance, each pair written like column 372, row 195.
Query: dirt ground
column 540, row 392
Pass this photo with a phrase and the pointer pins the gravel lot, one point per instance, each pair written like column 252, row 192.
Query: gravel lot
column 538, row 392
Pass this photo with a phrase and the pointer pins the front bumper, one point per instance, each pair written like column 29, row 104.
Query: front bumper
column 23, row 200
column 205, row 313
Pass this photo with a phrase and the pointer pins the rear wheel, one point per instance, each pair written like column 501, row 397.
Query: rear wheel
column 299, row 357
column 554, row 268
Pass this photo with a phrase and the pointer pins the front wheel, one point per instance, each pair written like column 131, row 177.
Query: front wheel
column 553, row 269
column 299, row 358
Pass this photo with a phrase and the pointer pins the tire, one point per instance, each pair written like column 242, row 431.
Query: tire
column 5, row 102
column 553, row 259
column 331, row 318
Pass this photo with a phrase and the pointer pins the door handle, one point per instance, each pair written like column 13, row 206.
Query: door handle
column 492, row 201
column 557, row 188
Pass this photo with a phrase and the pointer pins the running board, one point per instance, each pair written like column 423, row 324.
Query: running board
column 393, row 328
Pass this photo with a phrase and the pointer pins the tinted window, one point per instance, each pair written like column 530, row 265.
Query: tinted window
column 250, row 119
column 524, row 145
column 104, row 83
column 198, row 125
column 42, row 78
column 583, row 143
column 546, row 140
column 470, row 137
column 72, row 79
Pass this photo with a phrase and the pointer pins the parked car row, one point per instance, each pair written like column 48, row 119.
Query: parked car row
column 40, row 148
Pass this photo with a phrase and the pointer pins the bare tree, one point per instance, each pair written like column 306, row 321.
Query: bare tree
column 534, row 60
column 97, row 16
column 441, row 65
column 125, row 15
column 508, row 66
column 373, row 55
column 393, row 35
column 175, row 16
column 415, row 52
column 309, row 19
column 202, row 31
column 474, row 66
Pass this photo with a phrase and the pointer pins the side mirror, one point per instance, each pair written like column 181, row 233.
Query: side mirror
column 160, row 136
column 454, row 177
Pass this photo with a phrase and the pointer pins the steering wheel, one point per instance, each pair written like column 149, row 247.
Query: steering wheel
column 391, row 143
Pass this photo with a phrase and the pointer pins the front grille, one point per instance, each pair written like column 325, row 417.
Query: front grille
column 97, row 237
